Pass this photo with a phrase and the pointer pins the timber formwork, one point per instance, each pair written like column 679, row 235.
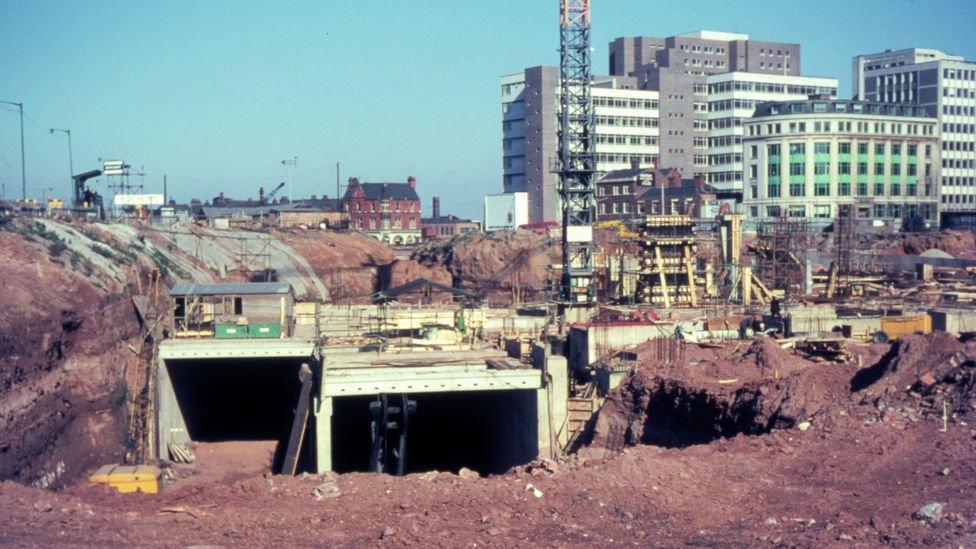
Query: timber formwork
column 667, row 261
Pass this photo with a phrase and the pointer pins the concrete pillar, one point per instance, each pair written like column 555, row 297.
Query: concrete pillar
column 323, row 434
column 545, row 445
column 169, row 419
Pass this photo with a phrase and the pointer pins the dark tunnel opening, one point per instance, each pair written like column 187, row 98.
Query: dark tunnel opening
column 240, row 400
column 487, row 431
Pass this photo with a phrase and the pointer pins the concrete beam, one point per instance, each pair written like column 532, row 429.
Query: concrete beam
column 374, row 381
column 175, row 349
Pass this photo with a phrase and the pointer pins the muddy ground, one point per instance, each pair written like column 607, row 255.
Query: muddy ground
column 798, row 452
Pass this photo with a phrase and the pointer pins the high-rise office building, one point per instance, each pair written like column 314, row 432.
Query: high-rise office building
column 677, row 68
column 946, row 86
column 626, row 129
column 732, row 99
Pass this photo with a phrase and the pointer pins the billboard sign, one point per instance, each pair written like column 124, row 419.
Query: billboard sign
column 139, row 200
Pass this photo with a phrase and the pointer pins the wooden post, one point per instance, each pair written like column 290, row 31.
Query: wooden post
column 290, row 463
column 746, row 285
column 664, row 281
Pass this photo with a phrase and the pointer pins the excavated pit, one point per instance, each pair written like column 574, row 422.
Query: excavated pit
column 717, row 393
column 486, row 431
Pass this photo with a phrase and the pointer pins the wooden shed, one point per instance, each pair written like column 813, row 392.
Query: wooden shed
column 233, row 311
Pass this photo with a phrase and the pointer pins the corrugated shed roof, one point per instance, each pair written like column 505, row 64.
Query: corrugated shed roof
column 252, row 288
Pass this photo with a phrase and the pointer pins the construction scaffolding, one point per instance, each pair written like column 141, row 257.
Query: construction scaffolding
column 666, row 276
column 841, row 268
column 781, row 252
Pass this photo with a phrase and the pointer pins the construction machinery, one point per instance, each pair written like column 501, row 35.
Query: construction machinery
column 266, row 198
column 85, row 200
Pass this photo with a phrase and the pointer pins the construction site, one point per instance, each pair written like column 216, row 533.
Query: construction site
column 674, row 380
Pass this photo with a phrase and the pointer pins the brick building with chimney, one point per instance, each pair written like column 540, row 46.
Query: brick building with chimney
column 445, row 226
column 389, row 212
column 634, row 192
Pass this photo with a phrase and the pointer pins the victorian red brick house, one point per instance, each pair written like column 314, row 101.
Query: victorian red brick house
column 389, row 212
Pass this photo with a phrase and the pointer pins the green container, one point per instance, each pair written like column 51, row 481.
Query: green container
column 265, row 331
column 230, row 331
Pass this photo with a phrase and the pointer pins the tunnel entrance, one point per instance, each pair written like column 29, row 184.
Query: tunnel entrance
column 487, row 431
column 224, row 400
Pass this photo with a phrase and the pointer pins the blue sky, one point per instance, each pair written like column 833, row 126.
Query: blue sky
column 215, row 94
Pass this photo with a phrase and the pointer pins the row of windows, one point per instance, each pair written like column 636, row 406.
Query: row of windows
column 725, row 177
column 723, row 123
column 619, row 158
column 958, row 92
column 385, row 224
column 844, row 148
column 697, row 48
column 769, row 87
column 613, row 190
column 958, row 145
column 720, row 159
column 959, row 110
column 958, row 199
column 958, row 163
column 843, row 126
column 961, row 181
column 823, row 188
column 880, row 211
column 729, row 104
column 845, row 107
column 632, row 121
column 384, row 206
column 695, row 62
column 843, row 168
column 619, row 102
column 725, row 141
column 613, row 139
column 953, row 127
column 959, row 74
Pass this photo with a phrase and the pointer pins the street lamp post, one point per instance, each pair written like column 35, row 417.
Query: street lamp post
column 291, row 169
column 23, row 169
column 71, row 160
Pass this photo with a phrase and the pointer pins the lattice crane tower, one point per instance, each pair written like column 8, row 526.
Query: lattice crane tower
column 577, row 158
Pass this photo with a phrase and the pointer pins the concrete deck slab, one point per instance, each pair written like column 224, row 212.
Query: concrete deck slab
column 179, row 349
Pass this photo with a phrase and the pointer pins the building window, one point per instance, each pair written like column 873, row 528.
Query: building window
column 797, row 189
column 821, row 148
column 821, row 188
column 844, row 188
column 799, row 168
column 772, row 190
column 879, row 168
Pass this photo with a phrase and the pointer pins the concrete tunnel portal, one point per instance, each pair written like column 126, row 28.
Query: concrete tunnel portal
column 466, row 414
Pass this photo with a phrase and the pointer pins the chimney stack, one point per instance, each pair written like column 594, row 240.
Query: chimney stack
column 412, row 182
column 436, row 207
column 634, row 162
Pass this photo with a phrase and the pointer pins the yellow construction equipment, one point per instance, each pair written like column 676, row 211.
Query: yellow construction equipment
column 128, row 478
column 622, row 229
column 897, row 326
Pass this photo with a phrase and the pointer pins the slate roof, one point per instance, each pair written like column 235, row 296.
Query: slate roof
column 385, row 191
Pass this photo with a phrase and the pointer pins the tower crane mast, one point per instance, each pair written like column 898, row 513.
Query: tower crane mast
column 577, row 157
